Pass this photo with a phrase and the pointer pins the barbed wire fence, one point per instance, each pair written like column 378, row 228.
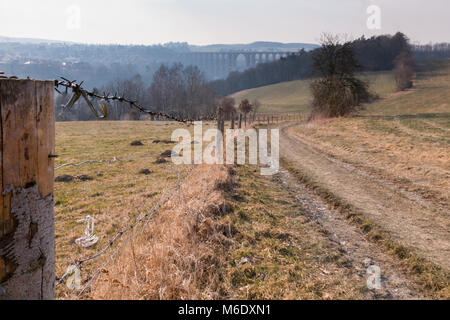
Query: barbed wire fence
column 102, row 161
column 141, row 221
column 77, row 92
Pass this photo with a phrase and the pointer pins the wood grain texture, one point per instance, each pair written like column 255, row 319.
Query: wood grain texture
column 27, row 251
column 45, row 122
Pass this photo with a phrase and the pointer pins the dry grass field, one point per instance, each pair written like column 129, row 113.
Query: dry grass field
column 362, row 190
column 114, row 194
column 404, row 138
column 295, row 96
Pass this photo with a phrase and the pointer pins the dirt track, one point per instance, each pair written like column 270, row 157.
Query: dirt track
column 360, row 252
column 423, row 230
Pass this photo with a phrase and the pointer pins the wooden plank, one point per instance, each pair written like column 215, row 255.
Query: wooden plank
column 6, row 223
column 5, row 113
column 3, row 215
column 45, row 136
column 19, row 133
column 27, row 249
column 26, row 118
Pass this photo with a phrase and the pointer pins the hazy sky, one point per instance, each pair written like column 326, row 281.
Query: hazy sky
column 218, row 21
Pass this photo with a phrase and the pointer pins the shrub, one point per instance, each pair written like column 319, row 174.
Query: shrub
column 404, row 70
column 336, row 97
column 338, row 92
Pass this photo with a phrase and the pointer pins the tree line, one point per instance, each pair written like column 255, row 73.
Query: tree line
column 377, row 53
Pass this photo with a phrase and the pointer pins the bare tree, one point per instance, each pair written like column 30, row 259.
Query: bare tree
column 256, row 105
column 160, row 90
column 337, row 92
column 245, row 108
column 227, row 104
column 404, row 70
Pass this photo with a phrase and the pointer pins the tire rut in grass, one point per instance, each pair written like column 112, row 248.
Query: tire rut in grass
column 351, row 241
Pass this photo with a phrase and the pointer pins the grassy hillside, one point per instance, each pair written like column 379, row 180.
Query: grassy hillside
column 295, row 96
column 403, row 137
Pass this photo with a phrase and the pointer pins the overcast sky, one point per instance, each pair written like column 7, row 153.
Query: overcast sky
column 219, row 21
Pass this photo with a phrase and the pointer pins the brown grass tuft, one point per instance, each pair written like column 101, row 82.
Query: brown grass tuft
column 180, row 253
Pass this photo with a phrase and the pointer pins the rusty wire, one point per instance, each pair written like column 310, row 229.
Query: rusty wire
column 102, row 161
column 78, row 91
column 143, row 219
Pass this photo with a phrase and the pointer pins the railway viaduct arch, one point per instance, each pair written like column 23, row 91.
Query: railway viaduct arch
column 220, row 64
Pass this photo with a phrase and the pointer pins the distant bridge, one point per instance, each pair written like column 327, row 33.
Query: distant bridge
column 220, row 64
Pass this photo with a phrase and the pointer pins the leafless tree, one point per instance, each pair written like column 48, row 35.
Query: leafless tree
column 256, row 105
column 245, row 108
column 404, row 70
column 228, row 106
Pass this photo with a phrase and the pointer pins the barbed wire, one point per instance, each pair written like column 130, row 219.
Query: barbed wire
column 143, row 218
column 109, row 161
column 78, row 91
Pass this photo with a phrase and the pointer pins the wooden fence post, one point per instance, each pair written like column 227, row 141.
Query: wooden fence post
column 27, row 237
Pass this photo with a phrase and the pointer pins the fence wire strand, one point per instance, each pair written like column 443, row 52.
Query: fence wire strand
column 143, row 219
column 108, row 161
column 78, row 91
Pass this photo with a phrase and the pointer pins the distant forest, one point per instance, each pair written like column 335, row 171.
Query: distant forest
column 374, row 54
column 171, row 87
column 97, row 65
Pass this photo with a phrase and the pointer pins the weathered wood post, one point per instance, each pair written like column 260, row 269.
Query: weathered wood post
column 220, row 120
column 27, row 244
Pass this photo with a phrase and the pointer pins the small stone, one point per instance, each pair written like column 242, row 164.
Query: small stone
column 145, row 172
column 64, row 178
column 160, row 160
column 244, row 260
column 137, row 143
column 84, row 177
column 168, row 154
